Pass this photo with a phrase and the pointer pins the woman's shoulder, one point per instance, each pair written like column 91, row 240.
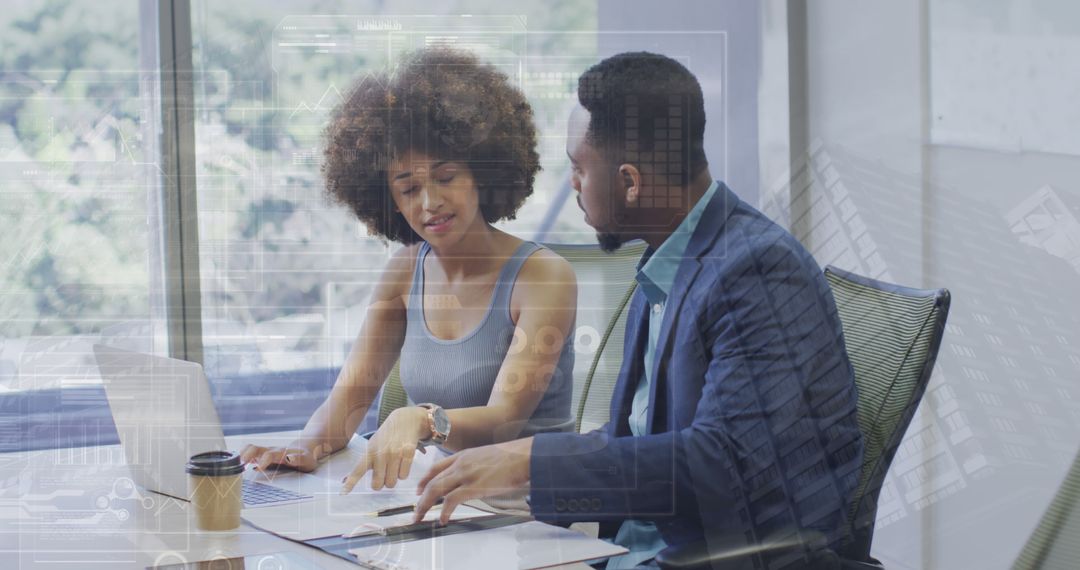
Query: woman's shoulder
column 545, row 268
column 405, row 256
column 398, row 273
column 546, row 285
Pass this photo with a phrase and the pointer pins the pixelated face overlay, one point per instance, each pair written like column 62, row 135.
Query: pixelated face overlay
column 438, row 198
column 592, row 176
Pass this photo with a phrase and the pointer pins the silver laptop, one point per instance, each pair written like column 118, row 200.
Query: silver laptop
column 164, row 414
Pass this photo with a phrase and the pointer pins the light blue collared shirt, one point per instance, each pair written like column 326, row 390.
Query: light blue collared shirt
column 655, row 276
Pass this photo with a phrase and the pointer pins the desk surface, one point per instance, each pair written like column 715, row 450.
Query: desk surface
column 79, row 508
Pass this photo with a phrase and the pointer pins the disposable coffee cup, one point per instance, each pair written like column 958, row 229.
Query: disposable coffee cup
column 214, row 478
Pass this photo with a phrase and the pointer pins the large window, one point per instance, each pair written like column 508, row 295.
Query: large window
column 79, row 171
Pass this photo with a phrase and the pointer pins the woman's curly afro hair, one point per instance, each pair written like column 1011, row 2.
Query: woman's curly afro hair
column 447, row 105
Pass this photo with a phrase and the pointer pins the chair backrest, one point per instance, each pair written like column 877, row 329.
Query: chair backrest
column 605, row 285
column 892, row 335
column 1056, row 541
column 393, row 394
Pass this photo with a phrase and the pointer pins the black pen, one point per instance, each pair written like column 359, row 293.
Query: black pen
column 399, row 510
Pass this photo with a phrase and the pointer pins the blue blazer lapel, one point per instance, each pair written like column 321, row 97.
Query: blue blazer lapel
column 630, row 372
column 705, row 235
column 688, row 270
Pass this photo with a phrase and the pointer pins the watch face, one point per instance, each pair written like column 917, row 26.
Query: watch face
column 442, row 422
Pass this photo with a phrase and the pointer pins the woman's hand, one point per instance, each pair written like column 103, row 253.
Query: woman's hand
column 294, row 456
column 390, row 451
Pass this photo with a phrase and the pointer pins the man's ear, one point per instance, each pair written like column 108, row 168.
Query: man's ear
column 630, row 182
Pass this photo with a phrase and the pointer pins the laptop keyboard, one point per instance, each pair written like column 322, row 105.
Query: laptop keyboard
column 258, row 494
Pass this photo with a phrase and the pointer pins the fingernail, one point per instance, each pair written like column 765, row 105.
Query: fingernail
column 344, row 478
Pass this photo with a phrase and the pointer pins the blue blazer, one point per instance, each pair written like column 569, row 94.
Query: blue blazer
column 752, row 422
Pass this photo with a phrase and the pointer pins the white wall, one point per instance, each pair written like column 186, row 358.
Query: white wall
column 923, row 150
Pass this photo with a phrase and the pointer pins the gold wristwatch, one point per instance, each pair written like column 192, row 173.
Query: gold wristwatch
column 439, row 423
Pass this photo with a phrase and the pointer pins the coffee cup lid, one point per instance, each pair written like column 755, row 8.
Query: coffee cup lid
column 214, row 463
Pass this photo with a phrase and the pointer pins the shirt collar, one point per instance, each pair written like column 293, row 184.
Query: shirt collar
column 657, row 269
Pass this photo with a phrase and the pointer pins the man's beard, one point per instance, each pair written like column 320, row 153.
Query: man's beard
column 609, row 242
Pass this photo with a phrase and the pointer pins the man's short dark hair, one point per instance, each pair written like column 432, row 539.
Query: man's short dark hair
column 646, row 109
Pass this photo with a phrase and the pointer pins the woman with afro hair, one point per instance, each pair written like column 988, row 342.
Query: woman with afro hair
column 431, row 155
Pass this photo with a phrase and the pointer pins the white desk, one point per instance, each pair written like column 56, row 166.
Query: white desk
column 66, row 508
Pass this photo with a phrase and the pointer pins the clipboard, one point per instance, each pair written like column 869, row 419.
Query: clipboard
column 528, row 545
column 340, row 547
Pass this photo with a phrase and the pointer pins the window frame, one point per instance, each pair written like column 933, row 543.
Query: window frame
column 179, row 209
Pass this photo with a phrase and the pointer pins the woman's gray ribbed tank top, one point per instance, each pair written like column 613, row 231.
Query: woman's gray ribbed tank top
column 461, row 373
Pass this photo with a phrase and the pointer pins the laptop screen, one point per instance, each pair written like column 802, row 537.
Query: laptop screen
column 163, row 413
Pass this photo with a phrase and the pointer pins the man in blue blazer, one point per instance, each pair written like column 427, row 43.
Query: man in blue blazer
column 734, row 412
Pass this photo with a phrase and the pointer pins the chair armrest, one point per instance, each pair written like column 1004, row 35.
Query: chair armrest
column 805, row 549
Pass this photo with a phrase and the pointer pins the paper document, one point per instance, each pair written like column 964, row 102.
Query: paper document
column 327, row 515
column 520, row 546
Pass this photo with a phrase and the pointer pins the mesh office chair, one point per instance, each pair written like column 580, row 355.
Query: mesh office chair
column 892, row 335
column 1055, row 544
column 605, row 285
column 393, row 394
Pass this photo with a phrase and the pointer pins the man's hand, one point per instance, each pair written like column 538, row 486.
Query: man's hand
column 474, row 474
